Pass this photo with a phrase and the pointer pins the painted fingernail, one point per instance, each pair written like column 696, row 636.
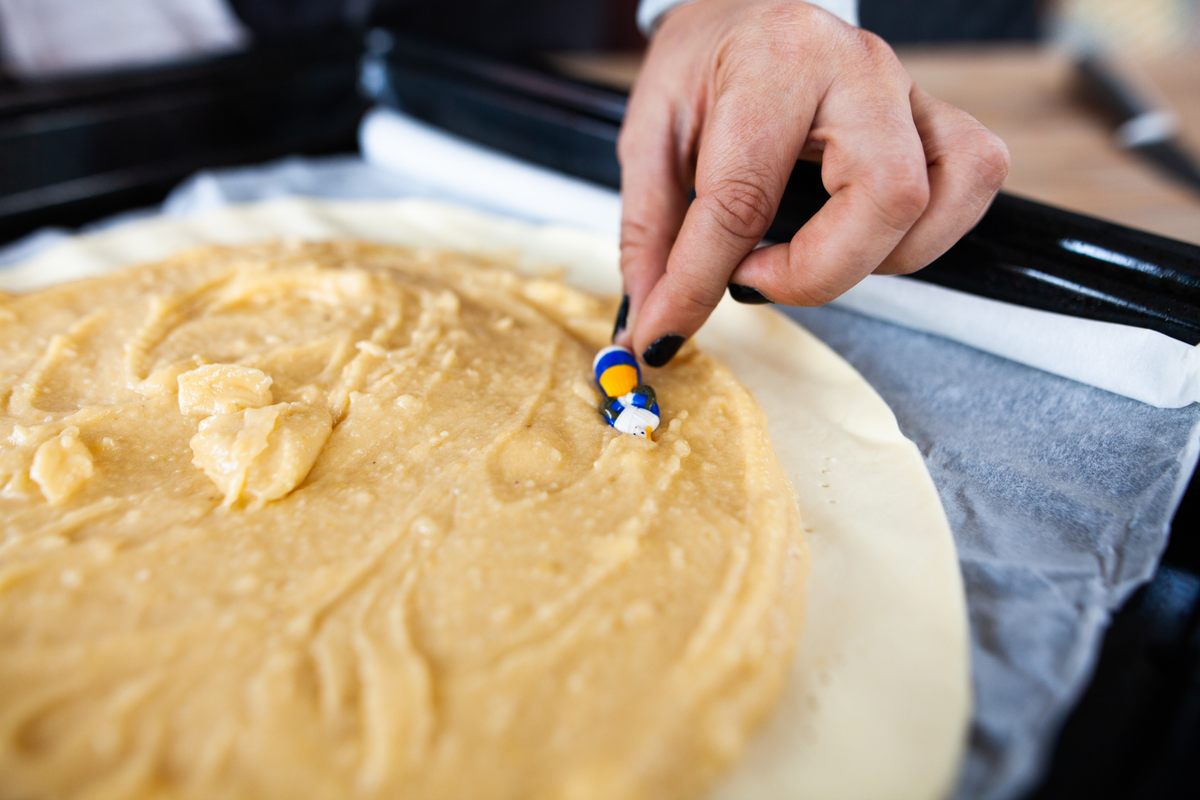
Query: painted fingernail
column 662, row 350
column 747, row 294
column 622, row 316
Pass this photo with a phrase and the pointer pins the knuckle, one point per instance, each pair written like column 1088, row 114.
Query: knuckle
column 980, row 151
column 692, row 295
column 876, row 49
column 879, row 61
column 871, row 42
column 784, row 14
column 637, row 248
column 806, row 294
column 734, row 68
column 992, row 159
column 803, row 285
column 781, row 32
column 741, row 207
column 693, row 300
column 635, row 234
column 901, row 194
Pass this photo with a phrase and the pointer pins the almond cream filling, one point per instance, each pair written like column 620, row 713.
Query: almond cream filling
column 336, row 520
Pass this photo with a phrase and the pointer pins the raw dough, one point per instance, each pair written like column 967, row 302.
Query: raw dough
column 335, row 520
column 878, row 698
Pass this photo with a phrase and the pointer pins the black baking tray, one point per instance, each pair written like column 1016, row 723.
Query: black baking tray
column 77, row 150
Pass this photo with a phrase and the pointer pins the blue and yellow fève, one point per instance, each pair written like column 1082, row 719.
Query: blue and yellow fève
column 629, row 406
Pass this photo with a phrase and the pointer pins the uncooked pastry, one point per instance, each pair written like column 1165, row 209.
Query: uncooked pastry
column 342, row 519
column 877, row 700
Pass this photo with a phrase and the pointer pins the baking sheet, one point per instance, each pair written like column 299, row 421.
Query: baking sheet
column 1059, row 494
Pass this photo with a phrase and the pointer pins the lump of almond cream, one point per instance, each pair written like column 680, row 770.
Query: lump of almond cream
column 248, row 446
column 61, row 465
column 222, row 389
column 342, row 521
column 260, row 453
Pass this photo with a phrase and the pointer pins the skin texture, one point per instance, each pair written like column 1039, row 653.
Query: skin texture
column 732, row 93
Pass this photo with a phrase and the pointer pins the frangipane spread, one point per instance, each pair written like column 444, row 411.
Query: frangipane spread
column 343, row 520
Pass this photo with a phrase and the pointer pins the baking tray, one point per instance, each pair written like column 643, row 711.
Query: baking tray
column 78, row 149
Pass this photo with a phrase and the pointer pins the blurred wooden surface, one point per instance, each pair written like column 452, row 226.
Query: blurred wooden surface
column 1062, row 153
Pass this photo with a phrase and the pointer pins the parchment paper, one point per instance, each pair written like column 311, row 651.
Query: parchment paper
column 1059, row 494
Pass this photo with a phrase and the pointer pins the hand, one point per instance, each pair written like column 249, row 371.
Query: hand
column 731, row 94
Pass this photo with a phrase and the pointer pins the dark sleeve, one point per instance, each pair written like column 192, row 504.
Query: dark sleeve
column 931, row 21
column 497, row 25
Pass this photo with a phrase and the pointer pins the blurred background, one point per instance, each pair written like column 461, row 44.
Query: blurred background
column 106, row 105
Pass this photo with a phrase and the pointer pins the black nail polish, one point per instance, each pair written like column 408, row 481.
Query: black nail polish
column 622, row 315
column 662, row 350
column 747, row 295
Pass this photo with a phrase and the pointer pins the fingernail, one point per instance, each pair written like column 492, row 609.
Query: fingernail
column 622, row 315
column 747, row 294
column 662, row 350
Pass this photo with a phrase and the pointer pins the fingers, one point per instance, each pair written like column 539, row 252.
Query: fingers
column 874, row 168
column 967, row 165
column 747, row 151
column 653, row 202
column 907, row 176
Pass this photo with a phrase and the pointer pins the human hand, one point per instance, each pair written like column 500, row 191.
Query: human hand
column 731, row 94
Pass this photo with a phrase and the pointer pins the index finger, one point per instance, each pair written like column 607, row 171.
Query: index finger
column 746, row 154
column 653, row 201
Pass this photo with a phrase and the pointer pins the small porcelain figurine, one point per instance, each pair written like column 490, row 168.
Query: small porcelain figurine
column 629, row 406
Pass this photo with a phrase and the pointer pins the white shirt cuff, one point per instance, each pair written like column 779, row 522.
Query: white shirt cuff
column 651, row 11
